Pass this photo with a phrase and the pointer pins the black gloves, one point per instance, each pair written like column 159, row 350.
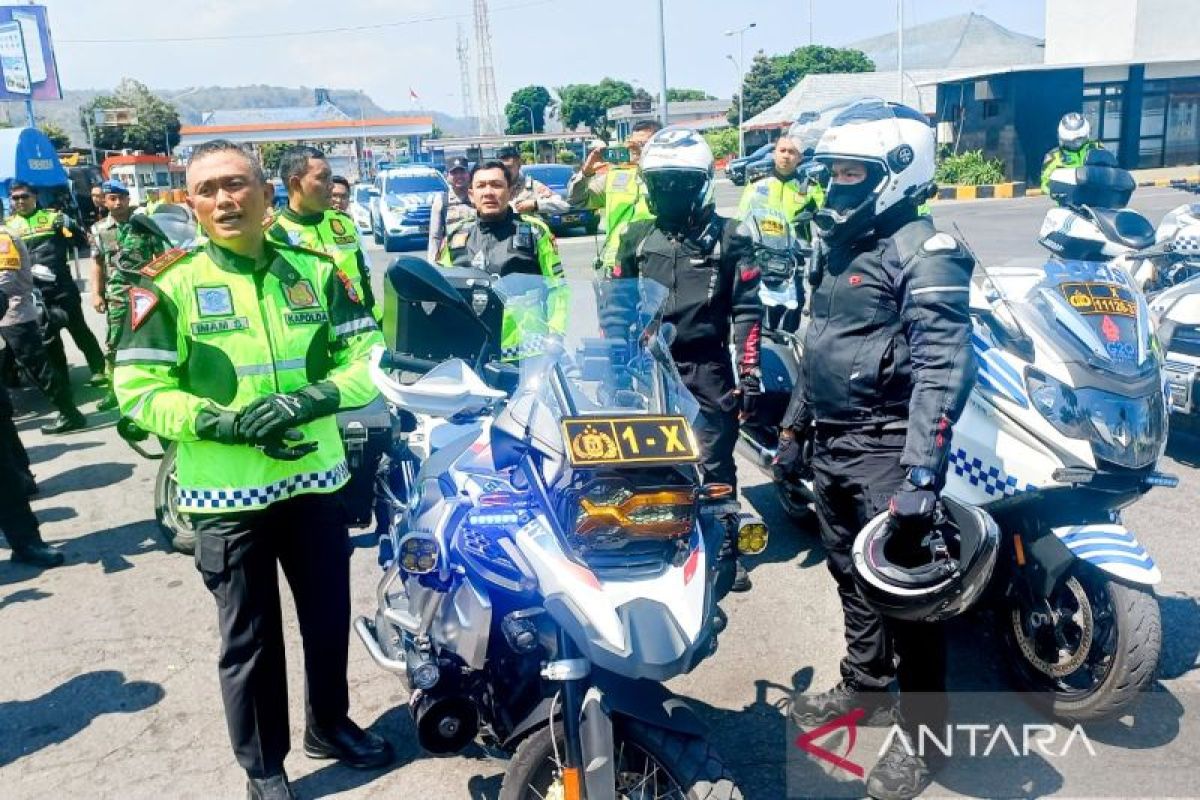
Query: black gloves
column 750, row 389
column 214, row 425
column 793, row 455
column 912, row 509
column 270, row 422
column 266, row 419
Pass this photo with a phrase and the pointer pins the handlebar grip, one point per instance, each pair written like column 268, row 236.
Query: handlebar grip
column 401, row 361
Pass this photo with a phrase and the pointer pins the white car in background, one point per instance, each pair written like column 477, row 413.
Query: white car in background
column 360, row 206
column 400, row 206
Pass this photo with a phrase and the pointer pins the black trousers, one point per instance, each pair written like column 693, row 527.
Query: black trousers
column 24, row 341
column 856, row 472
column 717, row 427
column 17, row 521
column 238, row 556
column 66, row 313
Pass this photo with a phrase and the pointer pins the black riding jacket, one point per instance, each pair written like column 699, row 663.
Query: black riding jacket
column 889, row 340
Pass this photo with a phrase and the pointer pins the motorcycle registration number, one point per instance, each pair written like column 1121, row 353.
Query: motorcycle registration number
column 629, row 441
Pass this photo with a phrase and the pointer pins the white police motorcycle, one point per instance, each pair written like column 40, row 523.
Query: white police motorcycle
column 554, row 559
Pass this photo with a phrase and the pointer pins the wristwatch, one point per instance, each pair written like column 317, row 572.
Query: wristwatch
column 922, row 477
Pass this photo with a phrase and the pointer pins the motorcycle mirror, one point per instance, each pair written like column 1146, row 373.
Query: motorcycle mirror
column 417, row 281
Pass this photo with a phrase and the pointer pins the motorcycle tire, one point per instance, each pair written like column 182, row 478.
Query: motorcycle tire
column 175, row 527
column 690, row 762
column 1121, row 618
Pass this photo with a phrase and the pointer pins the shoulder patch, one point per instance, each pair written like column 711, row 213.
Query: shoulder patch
column 156, row 267
column 940, row 243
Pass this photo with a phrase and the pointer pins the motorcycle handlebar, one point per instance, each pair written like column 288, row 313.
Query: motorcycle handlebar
column 402, row 361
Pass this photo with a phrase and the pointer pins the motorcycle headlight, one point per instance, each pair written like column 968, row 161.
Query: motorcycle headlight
column 1123, row 430
column 614, row 509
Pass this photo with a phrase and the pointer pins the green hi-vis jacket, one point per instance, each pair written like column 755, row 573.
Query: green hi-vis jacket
column 622, row 194
column 1060, row 157
column 522, row 244
column 206, row 328
column 330, row 232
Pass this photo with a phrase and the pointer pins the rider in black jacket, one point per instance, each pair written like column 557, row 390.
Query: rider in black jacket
column 887, row 369
column 709, row 269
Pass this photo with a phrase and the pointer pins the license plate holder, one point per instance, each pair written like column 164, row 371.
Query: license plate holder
column 629, row 441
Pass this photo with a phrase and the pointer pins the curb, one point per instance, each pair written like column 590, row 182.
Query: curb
column 1177, row 183
column 987, row 191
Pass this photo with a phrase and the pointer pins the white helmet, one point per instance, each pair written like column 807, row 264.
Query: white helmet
column 1074, row 131
column 895, row 145
column 677, row 168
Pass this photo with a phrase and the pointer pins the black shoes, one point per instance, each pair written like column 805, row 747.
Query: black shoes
column 98, row 380
column 349, row 744
column 902, row 773
column 38, row 555
column 107, row 403
column 275, row 787
column 741, row 579
column 811, row 710
column 65, row 423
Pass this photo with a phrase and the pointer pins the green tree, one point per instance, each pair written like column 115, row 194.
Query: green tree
column 58, row 137
column 687, row 95
column 516, row 112
column 723, row 142
column 270, row 153
column 157, row 121
column 588, row 103
column 771, row 77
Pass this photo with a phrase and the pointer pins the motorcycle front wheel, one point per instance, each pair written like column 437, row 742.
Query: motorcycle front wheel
column 175, row 527
column 795, row 498
column 1097, row 648
column 652, row 764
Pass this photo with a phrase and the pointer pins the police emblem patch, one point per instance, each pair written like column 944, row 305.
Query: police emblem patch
column 337, row 227
column 300, row 295
column 294, row 238
column 214, row 301
column 141, row 303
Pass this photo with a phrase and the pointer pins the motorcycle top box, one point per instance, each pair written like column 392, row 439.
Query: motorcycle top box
column 436, row 331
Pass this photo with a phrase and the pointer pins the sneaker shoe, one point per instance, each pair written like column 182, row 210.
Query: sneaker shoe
column 901, row 773
column 741, row 579
column 809, row 711
column 274, row 787
column 38, row 555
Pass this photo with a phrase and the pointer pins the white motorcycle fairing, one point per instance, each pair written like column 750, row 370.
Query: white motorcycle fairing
column 449, row 389
column 1112, row 548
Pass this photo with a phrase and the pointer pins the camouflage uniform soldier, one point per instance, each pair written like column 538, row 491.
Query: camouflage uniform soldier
column 123, row 242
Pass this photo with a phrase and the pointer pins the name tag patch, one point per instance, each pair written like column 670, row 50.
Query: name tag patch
column 306, row 318
column 214, row 301
column 220, row 325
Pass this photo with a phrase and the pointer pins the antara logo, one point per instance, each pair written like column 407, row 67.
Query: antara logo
column 963, row 740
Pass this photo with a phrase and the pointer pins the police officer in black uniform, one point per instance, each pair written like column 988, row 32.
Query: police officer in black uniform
column 50, row 236
column 887, row 369
column 709, row 268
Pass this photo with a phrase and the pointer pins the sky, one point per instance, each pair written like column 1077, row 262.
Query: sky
column 546, row 42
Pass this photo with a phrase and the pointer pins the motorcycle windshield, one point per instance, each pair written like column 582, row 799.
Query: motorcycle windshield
column 587, row 350
column 1098, row 306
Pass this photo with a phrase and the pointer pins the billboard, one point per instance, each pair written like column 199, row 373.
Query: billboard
column 27, row 64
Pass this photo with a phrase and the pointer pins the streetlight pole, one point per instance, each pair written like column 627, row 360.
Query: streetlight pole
column 532, row 127
column 663, row 114
column 741, row 62
column 900, row 47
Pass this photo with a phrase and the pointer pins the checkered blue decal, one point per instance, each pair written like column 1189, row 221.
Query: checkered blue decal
column 261, row 496
column 993, row 480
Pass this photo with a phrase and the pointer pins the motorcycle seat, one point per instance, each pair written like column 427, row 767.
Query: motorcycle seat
column 1123, row 226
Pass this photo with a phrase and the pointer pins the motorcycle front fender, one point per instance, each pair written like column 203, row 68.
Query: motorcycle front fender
column 1112, row 548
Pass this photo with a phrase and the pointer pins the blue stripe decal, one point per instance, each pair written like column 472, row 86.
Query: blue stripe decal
column 980, row 343
column 998, row 361
column 1131, row 549
column 999, row 383
column 1129, row 562
column 1086, row 535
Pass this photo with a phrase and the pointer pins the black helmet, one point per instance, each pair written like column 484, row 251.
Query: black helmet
column 935, row 578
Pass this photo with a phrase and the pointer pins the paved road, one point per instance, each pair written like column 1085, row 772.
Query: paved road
column 109, row 681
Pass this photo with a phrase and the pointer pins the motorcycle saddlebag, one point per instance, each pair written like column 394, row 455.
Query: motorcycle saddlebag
column 366, row 435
